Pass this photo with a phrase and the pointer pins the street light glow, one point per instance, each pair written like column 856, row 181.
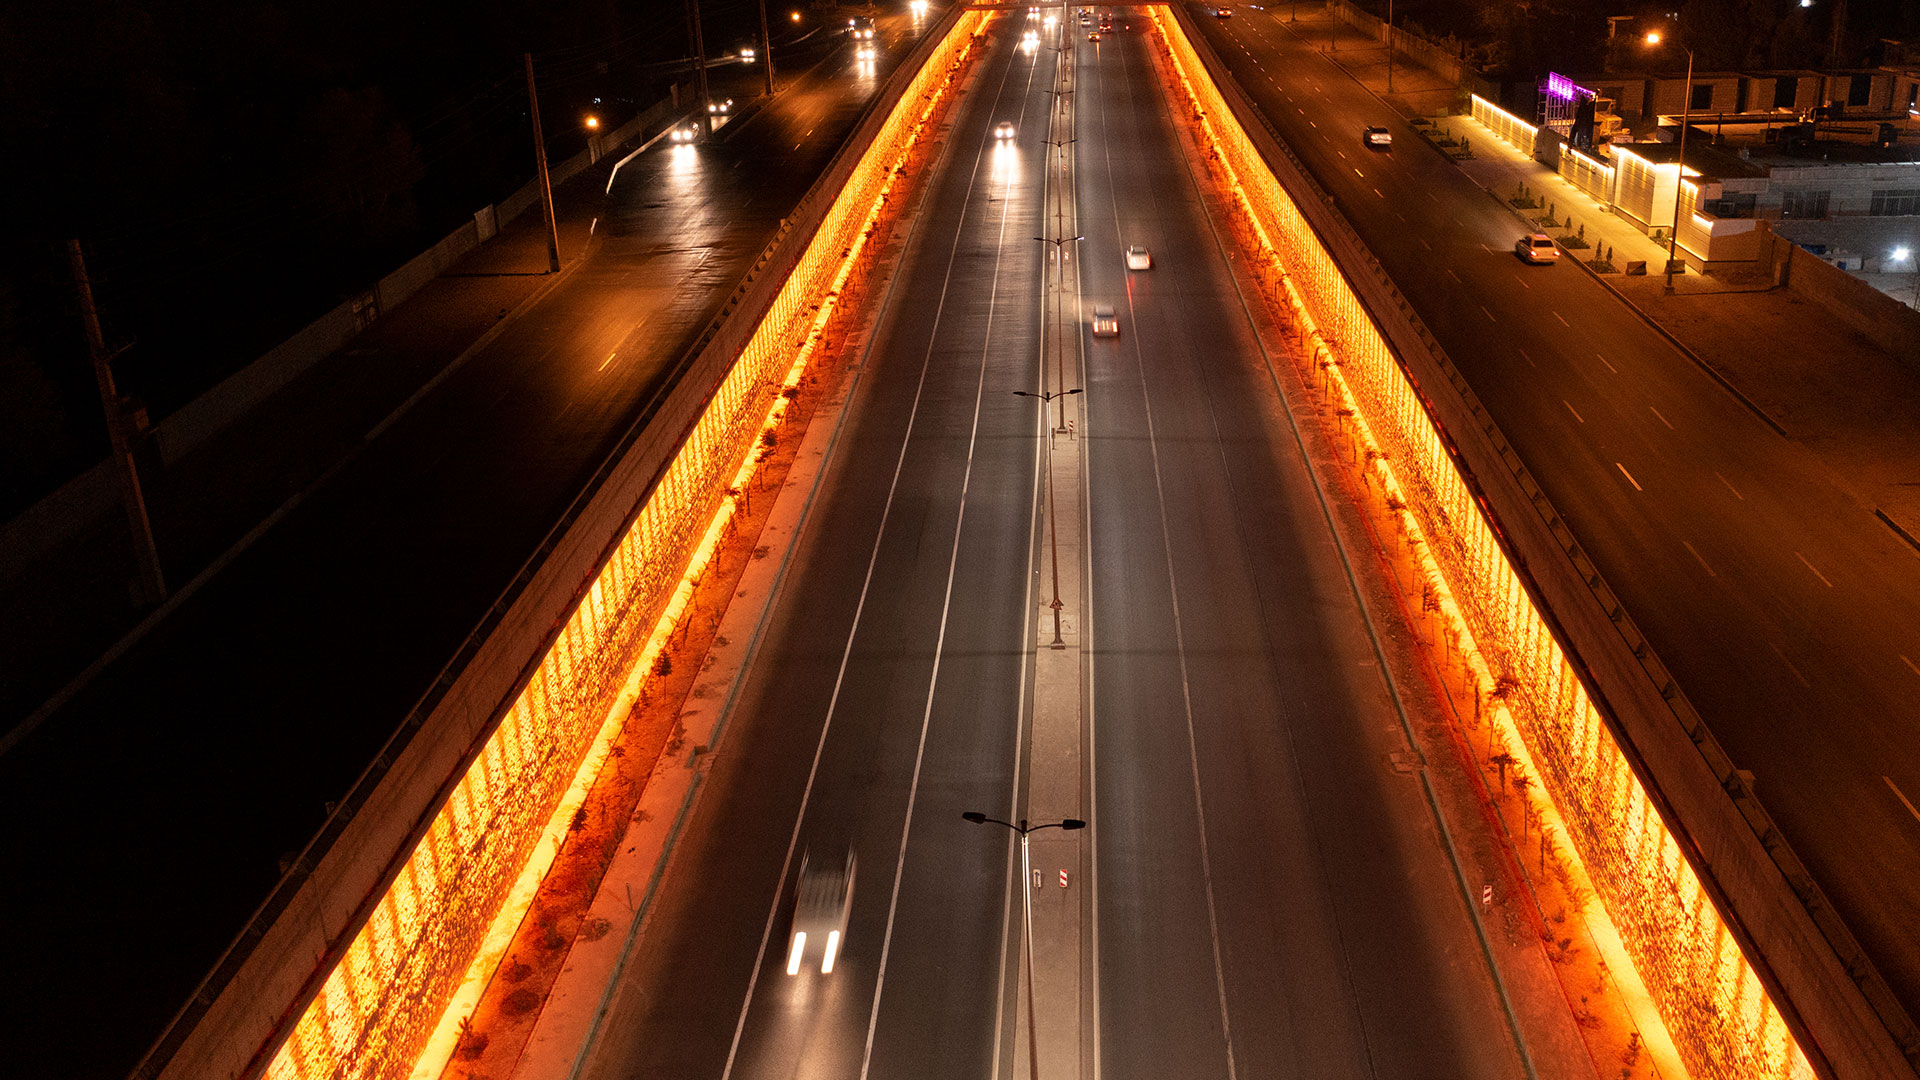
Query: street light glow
column 1900, row 254
column 1653, row 37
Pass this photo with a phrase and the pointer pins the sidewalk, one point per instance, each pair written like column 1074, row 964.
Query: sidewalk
column 1829, row 389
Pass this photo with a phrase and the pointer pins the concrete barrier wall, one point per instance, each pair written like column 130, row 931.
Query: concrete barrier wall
column 1443, row 58
column 1888, row 323
column 275, row 967
column 1842, row 1016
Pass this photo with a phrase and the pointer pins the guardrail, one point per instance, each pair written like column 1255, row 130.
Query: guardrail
column 1741, row 955
column 346, row 970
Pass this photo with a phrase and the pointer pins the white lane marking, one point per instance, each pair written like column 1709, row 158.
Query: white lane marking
column 1486, row 249
column 1816, row 572
column 1522, row 281
column 1902, row 796
column 1528, row 359
column 1730, row 487
column 1343, row 157
column 1376, row 191
column 1703, row 561
column 1910, row 664
column 1450, row 272
column 1629, row 476
column 1401, row 216
column 1193, row 749
column 1313, row 125
column 1489, row 314
column 1790, row 667
column 1663, row 419
column 1563, row 322
column 1603, row 360
column 608, row 360
column 1424, row 244
column 853, row 629
column 1574, row 411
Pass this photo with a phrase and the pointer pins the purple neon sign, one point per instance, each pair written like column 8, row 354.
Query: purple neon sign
column 1566, row 89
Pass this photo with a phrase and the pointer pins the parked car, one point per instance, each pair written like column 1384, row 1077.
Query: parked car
column 1536, row 248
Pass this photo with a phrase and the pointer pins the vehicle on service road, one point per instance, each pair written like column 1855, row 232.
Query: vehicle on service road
column 1105, row 324
column 1138, row 258
column 1536, row 248
column 822, row 901
column 1377, row 138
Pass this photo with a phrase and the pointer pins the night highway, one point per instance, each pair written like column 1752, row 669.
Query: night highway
column 155, row 806
column 1264, row 896
column 1786, row 611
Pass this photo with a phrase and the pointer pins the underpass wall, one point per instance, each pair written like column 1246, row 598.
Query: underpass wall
column 1751, row 972
column 346, row 969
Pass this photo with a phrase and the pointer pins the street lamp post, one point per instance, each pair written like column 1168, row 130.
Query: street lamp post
column 1680, row 166
column 1026, row 905
column 1060, row 310
column 1389, row 46
column 1053, row 529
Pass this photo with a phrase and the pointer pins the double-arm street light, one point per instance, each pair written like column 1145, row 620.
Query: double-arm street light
column 1026, row 906
column 1680, row 166
column 1053, row 528
column 1060, row 306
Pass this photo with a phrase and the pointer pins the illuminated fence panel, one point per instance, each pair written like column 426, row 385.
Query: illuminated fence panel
column 1504, row 124
column 386, row 994
column 1589, row 174
column 1707, row 993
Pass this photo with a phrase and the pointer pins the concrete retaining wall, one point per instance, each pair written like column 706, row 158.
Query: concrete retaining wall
column 1888, row 323
column 236, row 1019
column 1785, row 927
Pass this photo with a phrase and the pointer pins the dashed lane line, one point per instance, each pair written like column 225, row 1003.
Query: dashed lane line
column 1816, row 571
column 1629, row 476
column 1703, row 561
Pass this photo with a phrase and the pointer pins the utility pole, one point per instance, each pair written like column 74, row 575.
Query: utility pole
column 151, row 585
column 1389, row 46
column 546, row 185
column 766, row 47
column 700, row 65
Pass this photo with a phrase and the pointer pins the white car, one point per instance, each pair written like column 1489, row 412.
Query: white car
column 1104, row 322
column 1377, row 138
column 822, row 901
column 1536, row 248
column 1004, row 130
column 1138, row 258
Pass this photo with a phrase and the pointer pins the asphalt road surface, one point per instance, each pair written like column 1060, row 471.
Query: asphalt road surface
column 1272, row 899
column 146, row 818
column 1788, row 613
